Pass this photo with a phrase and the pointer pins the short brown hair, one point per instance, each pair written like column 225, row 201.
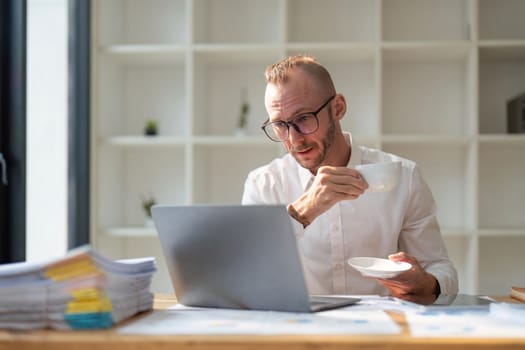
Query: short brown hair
column 278, row 72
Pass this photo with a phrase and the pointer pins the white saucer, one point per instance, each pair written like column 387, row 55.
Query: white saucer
column 379, row 268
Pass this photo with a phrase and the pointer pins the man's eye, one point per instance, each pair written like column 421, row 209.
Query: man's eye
column 302, row 119
column 279, row 125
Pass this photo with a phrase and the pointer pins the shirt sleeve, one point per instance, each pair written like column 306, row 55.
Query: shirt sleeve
column 421, row 235
column 260, row 188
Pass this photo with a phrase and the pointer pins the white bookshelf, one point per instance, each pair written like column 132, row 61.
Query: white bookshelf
column 426, row 79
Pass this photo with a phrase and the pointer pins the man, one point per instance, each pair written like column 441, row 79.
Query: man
column 334, row 216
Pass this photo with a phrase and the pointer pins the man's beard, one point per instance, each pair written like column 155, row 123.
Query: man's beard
column 328, row 141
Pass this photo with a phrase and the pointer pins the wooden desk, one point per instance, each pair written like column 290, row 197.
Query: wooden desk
column 111, row 340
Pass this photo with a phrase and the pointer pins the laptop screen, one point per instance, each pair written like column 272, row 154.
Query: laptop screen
column 232, row 256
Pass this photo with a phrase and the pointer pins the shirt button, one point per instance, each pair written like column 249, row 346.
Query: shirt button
column 338, row 266
column 335, row 227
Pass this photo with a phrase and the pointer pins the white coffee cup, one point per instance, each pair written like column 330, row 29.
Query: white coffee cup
column 381, row 177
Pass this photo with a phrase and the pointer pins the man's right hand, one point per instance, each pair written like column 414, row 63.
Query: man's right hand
column 331, row 185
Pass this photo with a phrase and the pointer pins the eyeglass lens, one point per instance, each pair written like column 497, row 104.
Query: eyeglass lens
column 304, row 124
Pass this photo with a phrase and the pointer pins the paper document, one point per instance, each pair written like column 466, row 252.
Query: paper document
column 465, row 323
column 186, row 321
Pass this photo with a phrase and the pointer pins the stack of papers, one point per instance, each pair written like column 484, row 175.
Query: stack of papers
column 82, row 290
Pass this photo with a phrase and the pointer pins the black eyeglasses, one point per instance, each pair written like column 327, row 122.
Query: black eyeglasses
column 304, row 123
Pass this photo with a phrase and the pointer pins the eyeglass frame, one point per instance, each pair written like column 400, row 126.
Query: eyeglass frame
column 296, row 128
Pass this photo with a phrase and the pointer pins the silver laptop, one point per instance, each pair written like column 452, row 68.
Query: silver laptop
column 240, row 257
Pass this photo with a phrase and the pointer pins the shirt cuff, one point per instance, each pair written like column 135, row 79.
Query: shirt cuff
column 296, row 216
column 447, row 280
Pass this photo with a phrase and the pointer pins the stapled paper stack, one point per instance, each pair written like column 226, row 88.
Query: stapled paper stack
column 82, row 290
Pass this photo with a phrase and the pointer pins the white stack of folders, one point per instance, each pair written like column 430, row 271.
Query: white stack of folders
column 81, row 290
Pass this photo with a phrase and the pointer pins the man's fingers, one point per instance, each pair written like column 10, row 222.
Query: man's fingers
column 402, row 256
column 339, row 171
column 347, row 180
column 344, row 180
column 333, row 184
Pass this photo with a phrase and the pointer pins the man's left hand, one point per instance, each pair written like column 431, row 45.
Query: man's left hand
column 415, row 285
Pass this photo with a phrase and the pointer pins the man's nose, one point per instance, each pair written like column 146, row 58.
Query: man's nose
column 294, row 135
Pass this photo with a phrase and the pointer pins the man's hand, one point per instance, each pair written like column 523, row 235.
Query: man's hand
column 415, row 285
column 331, row 185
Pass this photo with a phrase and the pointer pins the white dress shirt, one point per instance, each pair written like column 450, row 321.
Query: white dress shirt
column 375, row 224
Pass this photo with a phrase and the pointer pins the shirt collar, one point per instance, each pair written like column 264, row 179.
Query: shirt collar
column 356, row 157
column 306, row 176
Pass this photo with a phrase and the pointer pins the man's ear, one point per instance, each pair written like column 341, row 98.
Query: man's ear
column 339, row 107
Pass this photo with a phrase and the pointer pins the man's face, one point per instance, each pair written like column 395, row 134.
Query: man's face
column 286, row 101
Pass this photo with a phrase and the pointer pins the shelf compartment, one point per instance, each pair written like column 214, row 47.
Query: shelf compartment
column 500, row 264
column 218, row 88
column 501, row 186
column 130, row 95
column 142, row 22
column 502, row 19
column 236, row 21
column 501, row 72
column 133, row 174
column 447, row 179
column 423, row 95
column 332, row 21
column 420, row 20
column 221, row 170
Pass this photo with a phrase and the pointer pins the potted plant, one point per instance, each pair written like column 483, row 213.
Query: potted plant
column 151, row 128
column 243, row 116
column 147, row 203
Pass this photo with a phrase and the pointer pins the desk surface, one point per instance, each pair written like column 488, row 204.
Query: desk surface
column 111, row 340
